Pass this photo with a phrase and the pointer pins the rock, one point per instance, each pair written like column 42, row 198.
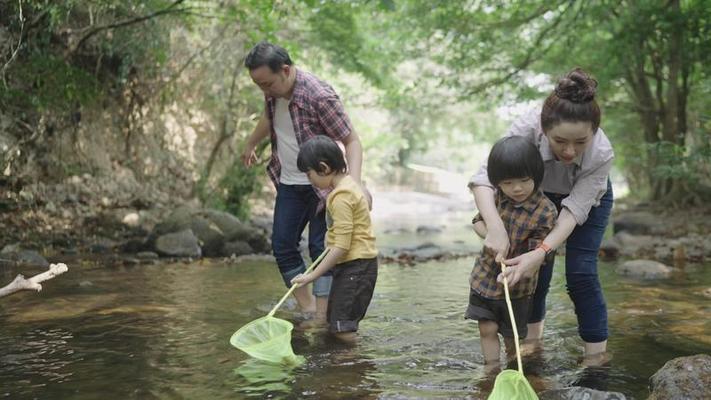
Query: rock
column 213, row 228
column 638, row 223
column 131, row 219
column 264, row 223
column 236, row 249
column 646, row 269
column 428, row 230
column 425, row 251
column 687, row 378
column 210, row 235
column 102, row 246
column 178, row 244
column 579, row 393
column 70, row 251
column 147, row 255
column 610, row 250
column 130, row 262
column 10, row 248
column 630, row 245
column 23, row 258
column 396, row 231
column 176, row 221
column 706, row 293
column 230, row 225
column 133, row 246
column 259, row 243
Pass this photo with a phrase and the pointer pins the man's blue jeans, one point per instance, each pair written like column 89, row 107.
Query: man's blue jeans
column 295, row 207
column 582, row 282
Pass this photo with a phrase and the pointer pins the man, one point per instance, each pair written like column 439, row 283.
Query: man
column 298, row 106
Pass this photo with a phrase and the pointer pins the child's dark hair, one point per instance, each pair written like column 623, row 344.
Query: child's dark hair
column 572, row 100
column 515, row 157
column 321, row 149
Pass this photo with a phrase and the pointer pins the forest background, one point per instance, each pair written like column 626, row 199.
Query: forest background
column 149, row 102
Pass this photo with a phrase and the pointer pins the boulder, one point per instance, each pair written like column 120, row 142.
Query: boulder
column 687, row 378
column 638, row 223
column 579, row 393
column 236, row 248
column 646, row 269
column 178, row 244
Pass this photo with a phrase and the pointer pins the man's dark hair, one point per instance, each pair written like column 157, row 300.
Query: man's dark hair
column 265, row 53
column 515, row 157
column 321, row 149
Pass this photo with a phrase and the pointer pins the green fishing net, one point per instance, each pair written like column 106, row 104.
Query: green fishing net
column 267, row 339
column 512, row 385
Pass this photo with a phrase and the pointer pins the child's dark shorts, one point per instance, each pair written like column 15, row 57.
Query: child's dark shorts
column 351, row 292
column 496, row 310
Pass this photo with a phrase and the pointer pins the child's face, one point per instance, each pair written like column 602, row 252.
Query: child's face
column 518, row 189
column 321, row 181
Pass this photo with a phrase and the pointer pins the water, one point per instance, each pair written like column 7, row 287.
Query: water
column 161, row 332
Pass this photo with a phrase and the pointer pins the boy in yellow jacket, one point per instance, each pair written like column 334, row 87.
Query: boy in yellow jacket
column 352, row 256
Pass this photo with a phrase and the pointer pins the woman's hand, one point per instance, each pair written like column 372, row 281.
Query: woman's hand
column 523, row 266
column 498, row 241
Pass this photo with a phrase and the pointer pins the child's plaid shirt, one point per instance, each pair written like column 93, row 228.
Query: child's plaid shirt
column 527, row 224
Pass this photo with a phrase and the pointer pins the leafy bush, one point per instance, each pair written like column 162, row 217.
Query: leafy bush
column 233, row 189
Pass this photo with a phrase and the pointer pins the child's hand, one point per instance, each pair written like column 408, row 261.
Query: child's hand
column 302, row 279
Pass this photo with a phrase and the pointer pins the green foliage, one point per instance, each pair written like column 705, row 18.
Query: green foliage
column 680, row 163
column 49, row 83
column 233, row 190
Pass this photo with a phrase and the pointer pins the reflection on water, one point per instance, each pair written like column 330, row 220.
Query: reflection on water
column 162, row 332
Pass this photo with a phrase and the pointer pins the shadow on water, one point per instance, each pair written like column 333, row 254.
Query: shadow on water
column 162, row 332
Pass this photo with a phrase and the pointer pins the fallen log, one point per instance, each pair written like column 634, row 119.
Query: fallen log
column 33, row 283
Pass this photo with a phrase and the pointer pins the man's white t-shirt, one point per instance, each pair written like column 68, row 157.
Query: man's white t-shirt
column 287, row 146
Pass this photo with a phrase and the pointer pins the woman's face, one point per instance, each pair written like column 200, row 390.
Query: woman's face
column 568, row 140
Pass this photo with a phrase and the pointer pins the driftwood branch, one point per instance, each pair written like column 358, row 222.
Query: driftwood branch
column 20, row 283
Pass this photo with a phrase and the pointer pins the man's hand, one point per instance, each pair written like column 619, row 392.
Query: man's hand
column 524, row 266
column 302, row 279
column 249, row 157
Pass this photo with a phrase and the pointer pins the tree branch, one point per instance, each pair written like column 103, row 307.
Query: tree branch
column 169, row 10
column 527, row 60
column 19, row 44
column 20, row 283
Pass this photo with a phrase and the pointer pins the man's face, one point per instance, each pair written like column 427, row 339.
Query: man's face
column 273, row 84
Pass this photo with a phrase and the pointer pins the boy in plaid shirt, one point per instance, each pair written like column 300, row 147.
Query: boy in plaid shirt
column 516, row 170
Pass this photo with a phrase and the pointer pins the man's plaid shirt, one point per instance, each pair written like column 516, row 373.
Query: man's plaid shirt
column 315, row 109
column 527, row 224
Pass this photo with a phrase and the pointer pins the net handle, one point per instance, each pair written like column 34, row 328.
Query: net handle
column 511, row 316
column 313, row 265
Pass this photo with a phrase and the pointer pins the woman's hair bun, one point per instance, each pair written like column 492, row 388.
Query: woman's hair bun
column 576, row 86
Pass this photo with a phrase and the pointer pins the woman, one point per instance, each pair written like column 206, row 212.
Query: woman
column 577, row 157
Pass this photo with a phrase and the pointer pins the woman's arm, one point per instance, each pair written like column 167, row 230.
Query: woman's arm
column 527, row 264
column 480, row 229
column 497, row 239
